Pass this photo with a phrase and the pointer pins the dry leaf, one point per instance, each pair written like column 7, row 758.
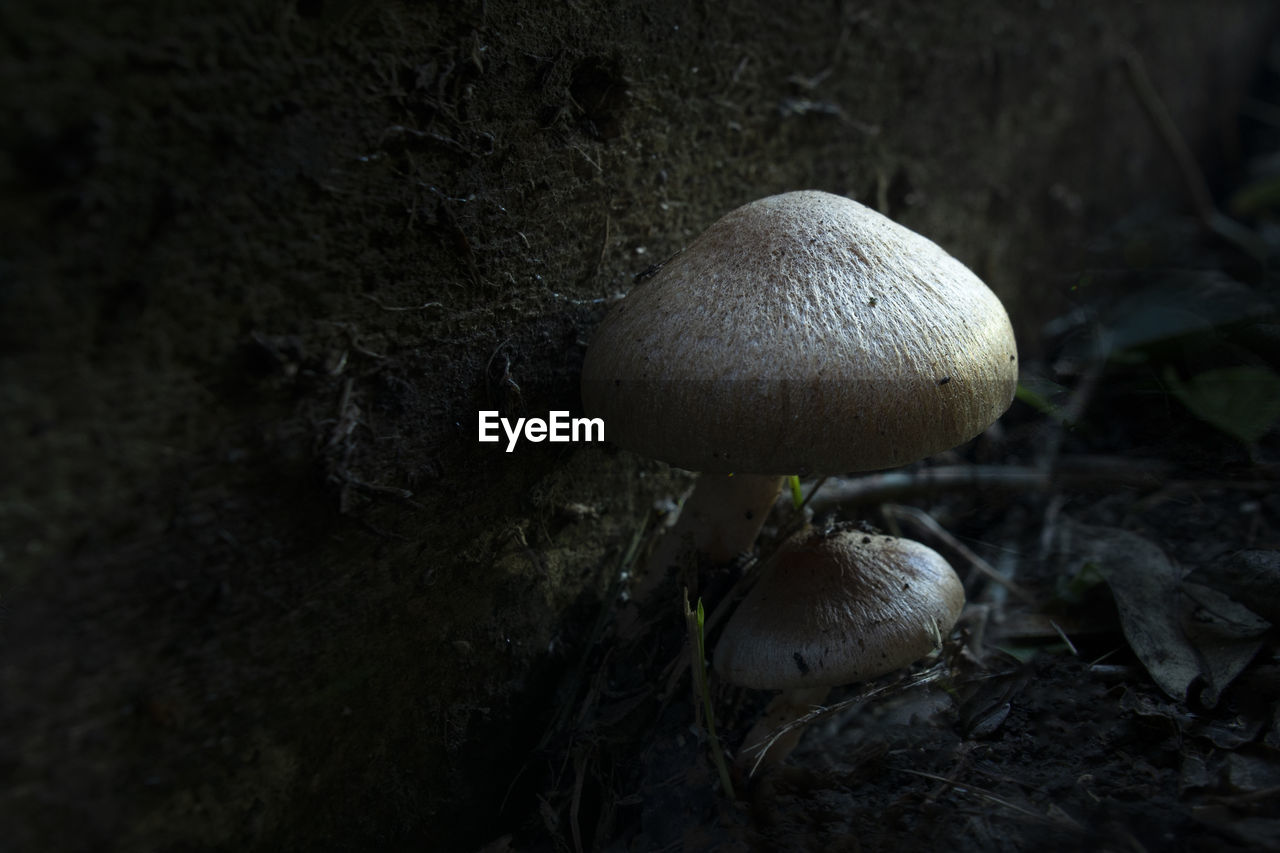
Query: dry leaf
column 1182, row 633
column 1250, row 577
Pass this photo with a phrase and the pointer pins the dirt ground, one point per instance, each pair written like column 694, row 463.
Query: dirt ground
column 261, row 264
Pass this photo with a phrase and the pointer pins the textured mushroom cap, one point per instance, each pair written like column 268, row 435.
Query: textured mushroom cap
column 802, row 333
column 835, row 608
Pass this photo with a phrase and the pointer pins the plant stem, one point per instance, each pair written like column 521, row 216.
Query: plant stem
column 797, row 497
column 696, row 620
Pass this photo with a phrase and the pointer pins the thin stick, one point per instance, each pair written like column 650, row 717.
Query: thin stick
column 761, row 748
column 896, row 485
column 1081, row 396
column 1211, row 218
column 1065, row 638
column 964, row 788
column 575, row 804
column 926, row 521
column 572, row 683
column 812, row 492
column 385, row 307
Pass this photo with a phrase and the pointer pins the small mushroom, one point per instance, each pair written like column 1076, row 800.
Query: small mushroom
column 831, row 608
column 801, row 333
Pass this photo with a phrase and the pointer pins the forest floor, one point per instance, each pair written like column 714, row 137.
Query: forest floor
column 261, row 588
column 1116, row 687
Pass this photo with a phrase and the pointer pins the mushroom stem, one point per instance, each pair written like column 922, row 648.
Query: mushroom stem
column 721, row 518
column 724, row 513
column 759, row 749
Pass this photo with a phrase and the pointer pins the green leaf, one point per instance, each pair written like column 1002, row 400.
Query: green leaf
column 1036, row 392
column 1243, row 402
column 1260, row 196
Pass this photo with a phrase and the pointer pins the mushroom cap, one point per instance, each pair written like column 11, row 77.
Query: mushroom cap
column 802, row 333
column 839, row 607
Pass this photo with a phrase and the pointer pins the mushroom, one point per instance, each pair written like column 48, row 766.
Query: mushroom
column 800, row 333
column 833, row 607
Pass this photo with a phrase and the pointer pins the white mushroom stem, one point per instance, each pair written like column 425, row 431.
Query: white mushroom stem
column 724, row 514
column 787, row 707
column 721, row 518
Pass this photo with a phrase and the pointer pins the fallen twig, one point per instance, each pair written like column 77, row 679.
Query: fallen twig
column 896, row 485
column 1213, row 219
column 928, row 676
column 385, row 307
column 923, row 520
column 1060, row 819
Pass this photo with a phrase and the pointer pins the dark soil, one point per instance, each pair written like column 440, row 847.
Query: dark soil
column 261, row 264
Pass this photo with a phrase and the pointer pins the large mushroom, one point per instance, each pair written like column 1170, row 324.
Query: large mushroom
column 801, row 333
column 833, row 607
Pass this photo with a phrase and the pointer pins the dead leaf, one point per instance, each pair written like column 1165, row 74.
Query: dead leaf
column 1223, row 732
column 1181, row 633
column 1250, row 577
column 1226, row 634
